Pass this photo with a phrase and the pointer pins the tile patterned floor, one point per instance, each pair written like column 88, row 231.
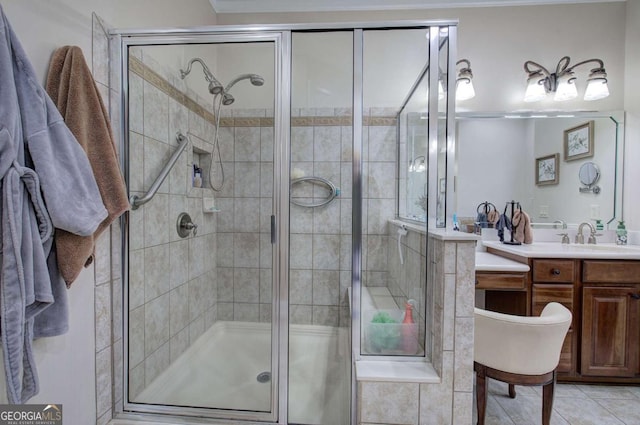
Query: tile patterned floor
column 573, row 405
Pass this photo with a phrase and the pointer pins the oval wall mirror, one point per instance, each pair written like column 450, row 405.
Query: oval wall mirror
column 589, row 173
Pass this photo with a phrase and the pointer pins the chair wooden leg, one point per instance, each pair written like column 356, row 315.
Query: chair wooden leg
column 547, row 400
column 512, row 391
column 481, row 391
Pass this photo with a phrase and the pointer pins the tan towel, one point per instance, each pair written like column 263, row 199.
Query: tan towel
column 73, row 90
column 492, row 217
column 522, row 227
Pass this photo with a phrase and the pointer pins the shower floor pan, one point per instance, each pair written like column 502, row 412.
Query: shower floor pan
column 221, row 369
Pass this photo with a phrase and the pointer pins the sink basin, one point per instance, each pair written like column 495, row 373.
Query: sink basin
column 605, row 247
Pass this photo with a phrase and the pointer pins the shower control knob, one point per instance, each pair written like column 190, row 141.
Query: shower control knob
column 185, row 226
column 193, row 227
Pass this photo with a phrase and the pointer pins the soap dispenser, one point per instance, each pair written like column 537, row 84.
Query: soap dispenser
column 621, row 233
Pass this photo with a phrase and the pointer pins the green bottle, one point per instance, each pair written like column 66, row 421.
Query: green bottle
column 599, row 225
column 621, row 233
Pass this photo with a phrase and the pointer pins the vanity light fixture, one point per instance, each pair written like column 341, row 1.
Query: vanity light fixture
column 464, row 85
column 540, row 81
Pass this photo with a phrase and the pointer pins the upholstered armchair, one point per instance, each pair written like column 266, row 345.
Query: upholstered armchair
column 519, row 350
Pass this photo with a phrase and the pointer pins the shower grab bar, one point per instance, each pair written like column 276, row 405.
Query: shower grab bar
column 137, row 201
column 333, row 191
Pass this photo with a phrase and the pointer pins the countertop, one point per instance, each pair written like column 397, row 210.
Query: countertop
column 605, row 251
column 486, row 262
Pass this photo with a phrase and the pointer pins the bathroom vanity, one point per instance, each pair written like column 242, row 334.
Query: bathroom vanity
column 600, row 284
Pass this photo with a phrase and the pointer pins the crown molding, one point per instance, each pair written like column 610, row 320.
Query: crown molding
column 271, row 6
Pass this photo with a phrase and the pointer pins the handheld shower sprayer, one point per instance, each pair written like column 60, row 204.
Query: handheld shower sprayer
column 227, row 98
column 255, row 79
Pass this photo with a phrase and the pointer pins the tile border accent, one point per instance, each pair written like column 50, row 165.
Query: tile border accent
column 149, row 75
column 139, row 68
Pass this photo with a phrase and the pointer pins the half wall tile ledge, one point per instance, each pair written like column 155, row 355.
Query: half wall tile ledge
column 396, row 371
column 451, row 235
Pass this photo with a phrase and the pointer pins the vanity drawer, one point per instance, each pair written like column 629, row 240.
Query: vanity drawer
column 500, row 280
column 553, row 271
column 611, row 271
column 544, row 294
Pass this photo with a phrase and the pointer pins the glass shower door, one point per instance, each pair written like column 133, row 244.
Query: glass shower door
column 200, row 304
column 320, row 227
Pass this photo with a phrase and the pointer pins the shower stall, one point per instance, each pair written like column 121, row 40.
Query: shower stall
column 264, row 165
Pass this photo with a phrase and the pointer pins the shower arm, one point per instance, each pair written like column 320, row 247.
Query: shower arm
column 137, row 201
column 205, row 69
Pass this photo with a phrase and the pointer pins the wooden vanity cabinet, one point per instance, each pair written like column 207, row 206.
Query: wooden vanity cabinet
column 553, row 281
column 610, row 343
column 603, row 341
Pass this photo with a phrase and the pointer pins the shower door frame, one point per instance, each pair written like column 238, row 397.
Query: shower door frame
column 279, row 318
column 281, row 34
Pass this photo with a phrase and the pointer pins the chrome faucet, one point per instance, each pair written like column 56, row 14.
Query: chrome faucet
column 580, row 236
column 561, row 222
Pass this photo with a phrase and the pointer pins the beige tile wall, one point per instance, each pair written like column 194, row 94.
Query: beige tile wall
column 408, row 281
column 107, row 275
column 451, row 277
column 173, row 281
column 321, row 238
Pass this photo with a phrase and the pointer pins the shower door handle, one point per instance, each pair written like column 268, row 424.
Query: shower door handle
column 273, row 229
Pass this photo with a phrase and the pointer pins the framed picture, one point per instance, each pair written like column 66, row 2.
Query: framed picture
column 547, row 171
column 578, row 142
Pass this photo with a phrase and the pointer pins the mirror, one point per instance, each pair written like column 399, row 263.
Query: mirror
column 589, row 173
column 496, row 156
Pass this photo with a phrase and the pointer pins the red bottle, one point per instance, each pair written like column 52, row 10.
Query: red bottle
column 409, row 331
column 408, row 313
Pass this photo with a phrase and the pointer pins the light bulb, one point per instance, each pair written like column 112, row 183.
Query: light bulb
column 596, row 89
column 535, row 89
column 566, row 89
column 465, row 89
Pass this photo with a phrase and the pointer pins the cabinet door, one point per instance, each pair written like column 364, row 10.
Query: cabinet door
column 610, row 331
column 543, row 294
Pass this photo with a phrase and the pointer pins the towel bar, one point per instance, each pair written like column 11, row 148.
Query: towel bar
column 333, row 191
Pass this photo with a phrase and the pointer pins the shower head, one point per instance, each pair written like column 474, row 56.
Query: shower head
column 227, row 99
column 255, row 79
column 215, row 87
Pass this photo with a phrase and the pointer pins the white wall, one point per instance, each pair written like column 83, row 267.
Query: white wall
column 632, row 125
column 44, row 25
column 498, row 40
column 66, row 364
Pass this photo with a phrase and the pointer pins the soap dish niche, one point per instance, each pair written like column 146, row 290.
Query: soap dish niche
column 200, row 164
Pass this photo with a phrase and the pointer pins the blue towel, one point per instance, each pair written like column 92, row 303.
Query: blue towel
column 481, row 220
column 503, row 222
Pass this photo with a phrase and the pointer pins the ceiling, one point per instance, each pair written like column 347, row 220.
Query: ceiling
column 259, row 6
